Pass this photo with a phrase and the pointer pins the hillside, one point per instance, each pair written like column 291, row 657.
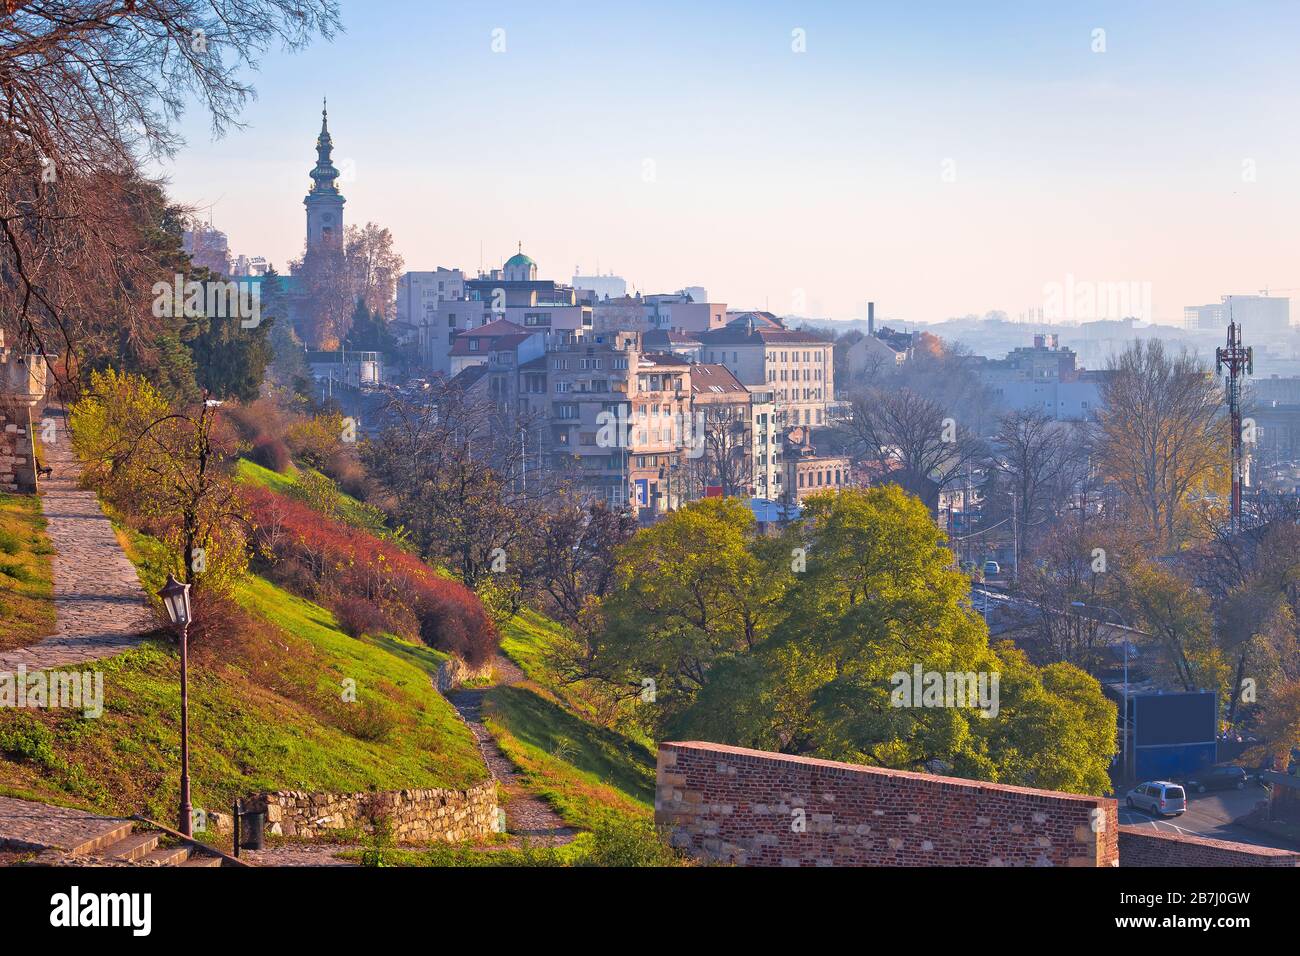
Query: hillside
column 549, row 731
column 266, row 712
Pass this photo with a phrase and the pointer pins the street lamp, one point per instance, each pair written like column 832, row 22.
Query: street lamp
column 1120, row 618
column 176, row 598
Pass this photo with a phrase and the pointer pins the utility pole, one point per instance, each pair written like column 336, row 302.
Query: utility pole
column 1238, row 360
column 1015, row 541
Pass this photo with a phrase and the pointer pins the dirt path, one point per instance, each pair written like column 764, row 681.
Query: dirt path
column 526, row 815
column 100, row 608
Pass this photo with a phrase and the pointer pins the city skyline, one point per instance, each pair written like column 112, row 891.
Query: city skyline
column 1121, row 166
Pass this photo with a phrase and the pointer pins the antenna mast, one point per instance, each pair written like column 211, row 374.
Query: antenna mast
column 1239, row 361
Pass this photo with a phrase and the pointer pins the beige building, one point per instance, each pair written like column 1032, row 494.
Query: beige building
column 796, row 366
column 619, row 419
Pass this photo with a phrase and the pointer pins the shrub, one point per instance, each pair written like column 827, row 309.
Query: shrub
column 271, row 453
column 357, row 616
column 314, row 440
column 456, row 622
column 312, row 555
column 22, row 737
column 629, row 841
column 10, row 543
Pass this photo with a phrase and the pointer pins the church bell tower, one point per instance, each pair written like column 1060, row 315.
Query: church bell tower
column 324, row 202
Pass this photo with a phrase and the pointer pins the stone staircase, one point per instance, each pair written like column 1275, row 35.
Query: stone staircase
column 62, row 836
column 125, row 844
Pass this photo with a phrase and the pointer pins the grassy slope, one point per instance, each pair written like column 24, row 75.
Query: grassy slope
column 26, row 589
column 284, row 482
column 582, row 769
column 263, row 716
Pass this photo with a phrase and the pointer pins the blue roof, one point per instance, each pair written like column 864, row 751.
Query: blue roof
column 768, row 511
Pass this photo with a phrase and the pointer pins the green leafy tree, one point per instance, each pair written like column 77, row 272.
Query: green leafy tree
column 857, row 595
column 692, row 590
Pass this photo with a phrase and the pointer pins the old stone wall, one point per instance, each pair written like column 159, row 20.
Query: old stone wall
column 17, row 470
column 416, row 816
column 755, row 808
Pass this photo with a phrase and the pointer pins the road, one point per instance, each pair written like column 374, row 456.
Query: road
column 1211, row 815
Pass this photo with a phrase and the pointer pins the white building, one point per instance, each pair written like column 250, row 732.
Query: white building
column 608, row 286
column 418, row 293
column 1254, row 313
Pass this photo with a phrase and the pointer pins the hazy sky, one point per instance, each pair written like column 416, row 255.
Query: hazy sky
column 938, row 158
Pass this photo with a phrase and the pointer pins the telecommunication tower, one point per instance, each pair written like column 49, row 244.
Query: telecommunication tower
column 1239, row 360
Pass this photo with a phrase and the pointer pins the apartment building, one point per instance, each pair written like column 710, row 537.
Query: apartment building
column 722, row 462
column 618, row 418
column 672, row 312
column 797, row 366
column 418, row 293
column 804, row 472
column 514, row 294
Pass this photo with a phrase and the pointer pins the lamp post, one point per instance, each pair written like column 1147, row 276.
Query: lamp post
column 1123, row 624
column 176, row 598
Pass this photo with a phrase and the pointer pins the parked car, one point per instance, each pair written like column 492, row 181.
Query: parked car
column 972, row 571
column 1158, row 796
column 992, row 569
column 1218, row 778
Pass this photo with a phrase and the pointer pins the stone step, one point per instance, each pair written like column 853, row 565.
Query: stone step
column 203, row 859
column 96, row 843
column 132, row 847
column 167, row 856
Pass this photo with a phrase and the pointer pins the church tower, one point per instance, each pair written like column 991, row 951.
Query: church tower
column 324, row 203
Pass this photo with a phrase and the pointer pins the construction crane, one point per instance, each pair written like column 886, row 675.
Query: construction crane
column 1239, row 360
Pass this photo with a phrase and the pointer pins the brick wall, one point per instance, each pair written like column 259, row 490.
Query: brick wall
column 417, row 816
column 1140, row 846
column 764, row 809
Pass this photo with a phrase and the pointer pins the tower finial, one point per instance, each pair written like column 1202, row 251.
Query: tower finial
column 520, row 246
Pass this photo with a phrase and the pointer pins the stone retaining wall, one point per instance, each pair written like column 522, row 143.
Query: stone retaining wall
column 416, row 816
column 17, row 470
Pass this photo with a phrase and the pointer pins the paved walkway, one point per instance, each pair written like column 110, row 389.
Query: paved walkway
column 526, row 815
column 99, row 605
column 26, row 824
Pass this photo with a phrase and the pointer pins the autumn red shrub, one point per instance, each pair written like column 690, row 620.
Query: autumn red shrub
column 317, row 557
column 457, row 623
column 270, row 453
column 357, row 616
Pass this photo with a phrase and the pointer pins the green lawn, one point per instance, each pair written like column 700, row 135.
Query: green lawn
column 26, row 574
column 584, row 771
column 268, row 714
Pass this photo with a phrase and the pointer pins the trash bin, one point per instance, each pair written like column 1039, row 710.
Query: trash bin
column 252, row 829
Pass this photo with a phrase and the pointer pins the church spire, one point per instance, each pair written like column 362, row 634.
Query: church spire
column 324, row 175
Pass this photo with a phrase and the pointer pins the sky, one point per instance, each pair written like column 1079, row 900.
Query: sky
column 940, row 159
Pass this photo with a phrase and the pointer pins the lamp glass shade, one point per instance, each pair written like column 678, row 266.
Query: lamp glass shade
column 176, row 598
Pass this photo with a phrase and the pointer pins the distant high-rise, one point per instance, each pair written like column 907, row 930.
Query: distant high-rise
column 1255, row 313
column 324, row 202
column 608, row 286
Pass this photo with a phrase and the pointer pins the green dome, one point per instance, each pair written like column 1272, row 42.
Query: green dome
column 519, row 259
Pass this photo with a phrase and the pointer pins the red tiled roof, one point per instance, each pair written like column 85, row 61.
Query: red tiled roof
column 705, row 377
column 739, row 335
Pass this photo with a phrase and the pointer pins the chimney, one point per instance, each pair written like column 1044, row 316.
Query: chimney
column 871, row 318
